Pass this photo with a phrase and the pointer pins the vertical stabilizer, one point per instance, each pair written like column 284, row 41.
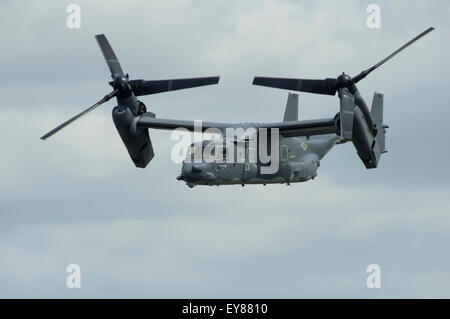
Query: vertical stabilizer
column 377, row 115
column 291, row 112
column 377, row 108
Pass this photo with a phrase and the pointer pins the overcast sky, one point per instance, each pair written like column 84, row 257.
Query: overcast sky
column 78, row 199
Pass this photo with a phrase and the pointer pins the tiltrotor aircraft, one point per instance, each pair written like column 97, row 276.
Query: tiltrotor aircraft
column 300, row 145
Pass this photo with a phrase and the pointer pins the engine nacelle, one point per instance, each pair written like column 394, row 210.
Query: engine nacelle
column 364, row 141
column 137, row 142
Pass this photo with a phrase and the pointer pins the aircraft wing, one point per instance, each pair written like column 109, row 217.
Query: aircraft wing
column 149, row 121
column 303, row 128
column 286, row 129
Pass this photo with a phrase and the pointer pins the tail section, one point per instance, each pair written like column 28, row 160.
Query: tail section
column 291, row 111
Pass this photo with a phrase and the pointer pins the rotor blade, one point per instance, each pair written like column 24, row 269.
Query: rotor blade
column 363, row 74
column 76, row 117
column 110, row 57
column 141, row 87
column 325, row 86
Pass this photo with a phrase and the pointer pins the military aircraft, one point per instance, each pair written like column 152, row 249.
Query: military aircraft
column 296, row 147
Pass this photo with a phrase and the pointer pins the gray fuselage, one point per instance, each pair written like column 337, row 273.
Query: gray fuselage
column 298, row 158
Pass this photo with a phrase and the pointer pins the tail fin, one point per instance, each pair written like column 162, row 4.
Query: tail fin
column 377, row 108
column 291, row 111
column 377, row 115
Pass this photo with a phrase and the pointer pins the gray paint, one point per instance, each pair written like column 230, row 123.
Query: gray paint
column 298, row 159
column 291, row 112
column 80, row 198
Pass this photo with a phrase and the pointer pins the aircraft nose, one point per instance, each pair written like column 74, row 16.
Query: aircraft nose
column 196, row 168
column 183, row 173
column 187, row 171
column 190, row 171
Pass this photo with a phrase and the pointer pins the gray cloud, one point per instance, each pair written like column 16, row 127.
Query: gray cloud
column 141, row 233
